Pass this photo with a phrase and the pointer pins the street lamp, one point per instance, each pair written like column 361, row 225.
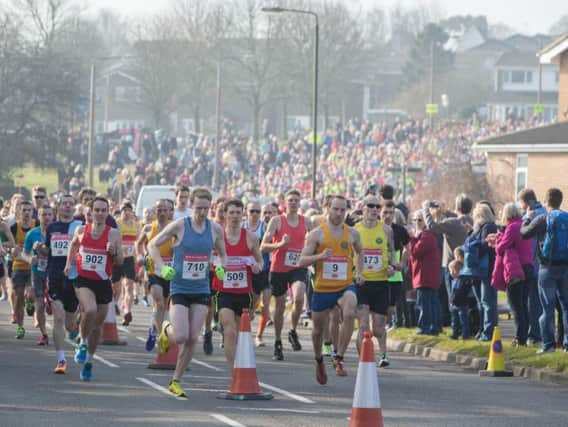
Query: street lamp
column 276, row 9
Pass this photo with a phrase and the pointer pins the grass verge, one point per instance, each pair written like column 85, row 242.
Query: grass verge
column 522, row 356
column 48, row 178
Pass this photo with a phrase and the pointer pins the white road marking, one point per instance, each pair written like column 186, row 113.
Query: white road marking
column 123, row 329
column 138, row 363
column 207, row 365
column 158, row 388
column 294, row 411
column 190, row 377
column 286, row 393
column 106, row 362
column 227, row 420
column 141, row 339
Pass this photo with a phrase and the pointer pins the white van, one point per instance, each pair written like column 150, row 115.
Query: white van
column 149, row 194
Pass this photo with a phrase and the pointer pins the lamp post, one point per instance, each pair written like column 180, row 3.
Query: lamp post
column 315, row 88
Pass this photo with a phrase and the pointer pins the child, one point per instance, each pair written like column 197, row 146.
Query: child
column 458, row 299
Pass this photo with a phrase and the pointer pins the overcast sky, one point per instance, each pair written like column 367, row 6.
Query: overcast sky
column 529, row 16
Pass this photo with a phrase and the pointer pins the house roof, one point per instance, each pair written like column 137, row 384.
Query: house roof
column 517, row 59
column 545, row 139
column 550, row 54
column 491, row 45
column 524, row 97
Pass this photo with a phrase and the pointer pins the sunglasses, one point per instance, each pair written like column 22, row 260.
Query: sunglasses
column 373, row 206
column 417, row 220
column 257, row 211
column 39, row 197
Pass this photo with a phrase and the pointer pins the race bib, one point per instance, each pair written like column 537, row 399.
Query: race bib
column 335, row 268
column 235, row 277
column 373, row 260
column 168, row 260
column 60, row 244
column 94, row 260
column 41, row 263
column 292, row 258
column 128, row 246
column 195, row 267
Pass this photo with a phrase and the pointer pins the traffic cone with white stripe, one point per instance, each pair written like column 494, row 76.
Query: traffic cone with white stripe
column 245, row 381
column 366, row 410
column 109, row 335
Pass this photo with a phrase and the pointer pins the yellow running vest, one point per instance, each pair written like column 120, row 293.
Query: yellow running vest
column 335, row 273
column 375, row 250
column 20, row 238
column 166, row 250
column 129, row 234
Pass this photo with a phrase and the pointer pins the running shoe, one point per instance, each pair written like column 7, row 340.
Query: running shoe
column 73, row 334
column 43, row 340
column 61, row 367
column 326, row 349
column 163, row 340
column 176, row 389
column 81, row 353
column 14, row 321
column 269, row 323
column 116, row 310
column 127, row 319
column 339, row 368
column 294, row 341
column 20, row 332
column 145, row 302
column 215, row 326
column 208, row 342
column 30, row 308
column 151, row 340
column 259, row 342
column 87, row 372
column 384, row 361
column 4, row 297
column 278, row 354
column 321, row 375
column 136, row 301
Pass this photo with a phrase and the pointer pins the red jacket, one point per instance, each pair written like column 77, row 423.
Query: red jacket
column 425, row 261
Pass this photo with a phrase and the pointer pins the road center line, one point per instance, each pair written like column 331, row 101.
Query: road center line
column 286, row 393
column 294, row 411
column 158, row 388
column 207, row 365
column 227, row 420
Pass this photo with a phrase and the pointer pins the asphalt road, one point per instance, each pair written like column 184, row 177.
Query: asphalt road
column 123, row 392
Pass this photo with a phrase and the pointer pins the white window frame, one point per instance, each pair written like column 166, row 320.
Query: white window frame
column 521, row 169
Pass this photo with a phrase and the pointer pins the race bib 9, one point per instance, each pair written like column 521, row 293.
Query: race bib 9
column 235, row 277
column 292, row 258
column 59, row 244
column 335, row 268
column 41, row 263
column 94, row 260
column 195, row 267
column 373, row 260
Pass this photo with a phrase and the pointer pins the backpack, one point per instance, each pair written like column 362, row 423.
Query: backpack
column 555, row 246
column 475, row 264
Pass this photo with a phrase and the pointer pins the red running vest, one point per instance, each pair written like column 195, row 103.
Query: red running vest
column 238, row 272
column 93, row 260
column 287, row 258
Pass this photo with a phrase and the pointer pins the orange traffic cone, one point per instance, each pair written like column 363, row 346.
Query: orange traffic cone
column 245, row 382
column 496, row 363
column 109, row 335
column 167, row 360
column 366, row 410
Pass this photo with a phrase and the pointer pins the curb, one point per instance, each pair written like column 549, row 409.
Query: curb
column 474, row 363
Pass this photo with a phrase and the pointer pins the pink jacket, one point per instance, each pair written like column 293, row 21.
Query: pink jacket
column 511, row 238
column 511, row 253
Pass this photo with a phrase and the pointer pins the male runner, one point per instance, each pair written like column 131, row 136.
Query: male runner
column 330, row 247
column 39, row 198
column 285, row 238
column 159, row 287
column 8, row 243
column 194, row 239
column 124, row 276
column 235, row 291
column 58, row 236
column 378, row 251
column 21, row 274
column 96, row 247
column 182, row 198
column 35, row 239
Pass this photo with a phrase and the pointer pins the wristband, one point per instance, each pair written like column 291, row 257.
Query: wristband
column 220, row 272
column 167, row 272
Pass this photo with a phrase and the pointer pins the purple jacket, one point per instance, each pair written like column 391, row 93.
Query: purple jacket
column 511, row 238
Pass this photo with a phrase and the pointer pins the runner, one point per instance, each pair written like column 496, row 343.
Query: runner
column 58, row 236
column 194, row 239
column 373, row 296
column 96, row 247
column 148, row 215
column 268, row 211
column 21, row 275
column 159, row 287
column 333, row 283
column 7, row 241
column 235, row 292
column 182, row 198
column 35, row 241
column 285, row 237
column 217, row 211
column 39, row 198
column 124, row 276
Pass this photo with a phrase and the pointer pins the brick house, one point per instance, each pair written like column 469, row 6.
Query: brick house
column 536, row 158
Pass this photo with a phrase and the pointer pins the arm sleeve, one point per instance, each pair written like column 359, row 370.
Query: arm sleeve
column 443, row 227
column 505, row 241
column 534, row 227
column 28, row 243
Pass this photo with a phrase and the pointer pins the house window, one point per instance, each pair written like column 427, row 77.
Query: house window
column 521, row 174
column 529, row 76
column 505, row 76
column 120, row 94
column 556, row 77
column 517, row 77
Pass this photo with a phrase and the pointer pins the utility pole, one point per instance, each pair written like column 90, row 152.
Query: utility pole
column 218, row 127
column 431, row 81
column 91, row 127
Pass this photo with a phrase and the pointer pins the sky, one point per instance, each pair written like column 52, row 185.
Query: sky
column 527, row 16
